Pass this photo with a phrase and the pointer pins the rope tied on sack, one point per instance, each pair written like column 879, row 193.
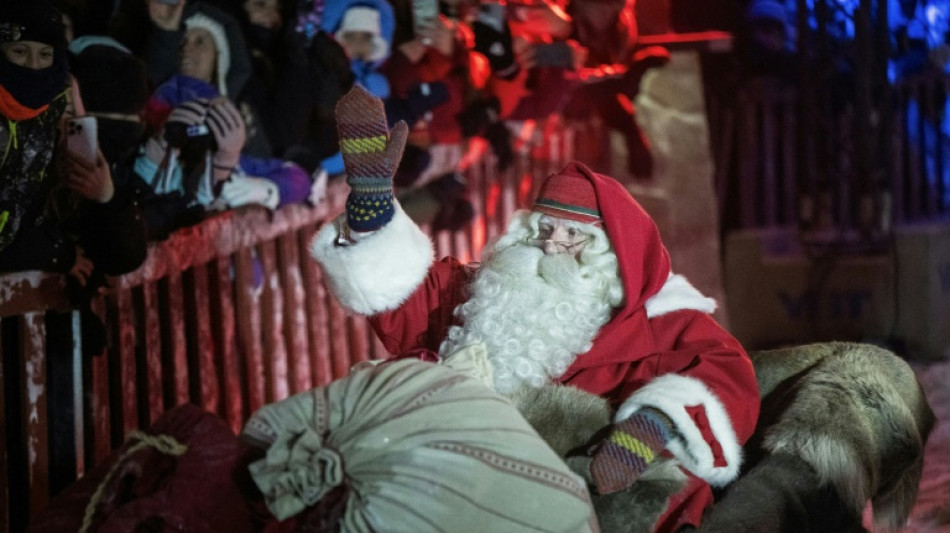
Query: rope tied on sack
column 163, row 443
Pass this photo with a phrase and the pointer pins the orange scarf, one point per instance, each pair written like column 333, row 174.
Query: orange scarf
column 14, row 110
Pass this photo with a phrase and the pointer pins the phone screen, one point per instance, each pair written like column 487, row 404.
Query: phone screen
column 423, row 12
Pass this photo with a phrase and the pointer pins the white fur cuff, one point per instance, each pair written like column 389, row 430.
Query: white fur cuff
column 380, row 271
column 671, row 394
column 676, row 294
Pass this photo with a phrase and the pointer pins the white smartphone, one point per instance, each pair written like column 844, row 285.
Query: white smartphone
column 81, row 137
column 424, row 12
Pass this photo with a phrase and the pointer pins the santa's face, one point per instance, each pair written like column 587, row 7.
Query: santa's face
column 535, row 304
column 562, row 236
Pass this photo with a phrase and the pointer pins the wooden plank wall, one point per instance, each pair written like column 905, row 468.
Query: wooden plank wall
column 757, row 136
column 229, row 315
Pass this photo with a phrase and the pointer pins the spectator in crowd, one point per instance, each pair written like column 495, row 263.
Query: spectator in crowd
column 192, row 161
column 437, row 56
column 542, row 44
column 182, row 161
column 365, row 31
column 155, row 31
column 55, row 206
column 114, row 88
column 200, row 41
column 206, row 52
column 614, row 68
column 297, row 79
column 763, row 47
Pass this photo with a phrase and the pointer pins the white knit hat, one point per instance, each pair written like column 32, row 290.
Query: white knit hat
column 212, row 26
column 363, row 18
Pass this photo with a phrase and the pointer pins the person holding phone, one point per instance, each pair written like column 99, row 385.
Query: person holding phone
column 34, row 81
column 49, row 197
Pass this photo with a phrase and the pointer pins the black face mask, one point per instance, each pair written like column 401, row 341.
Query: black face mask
column 35, row 88
column 119, row 139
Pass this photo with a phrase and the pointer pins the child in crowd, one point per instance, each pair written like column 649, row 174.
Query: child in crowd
column 365, row 31
column 53, row 204
column 299, row 74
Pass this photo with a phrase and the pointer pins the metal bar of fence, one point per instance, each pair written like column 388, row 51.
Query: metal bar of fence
column 294, row 318
column 151, row 346
column 316, row 308
column 248, row 331
column 221, row 290
column 272, row 325
column 96, row 379
column 35, row 408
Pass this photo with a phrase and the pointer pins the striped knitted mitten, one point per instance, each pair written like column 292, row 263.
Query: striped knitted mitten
column 371, row 155
column 630, row 448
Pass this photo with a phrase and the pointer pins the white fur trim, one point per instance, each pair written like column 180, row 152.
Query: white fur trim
column 365, row 19
column 221, row 44
column 671, row 394
column 676, row 294
column 380, row 271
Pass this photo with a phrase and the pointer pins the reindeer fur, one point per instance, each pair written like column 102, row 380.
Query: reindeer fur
column 855, row 415
column 841, row 424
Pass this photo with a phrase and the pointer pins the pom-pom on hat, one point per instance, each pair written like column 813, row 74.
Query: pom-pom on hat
column 35, row 20
column 568, row 194
column 216, row 29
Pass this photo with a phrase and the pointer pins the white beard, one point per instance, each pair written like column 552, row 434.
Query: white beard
column 534, row 313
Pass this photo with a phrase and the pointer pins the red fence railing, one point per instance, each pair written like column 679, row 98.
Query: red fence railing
column 230, row 314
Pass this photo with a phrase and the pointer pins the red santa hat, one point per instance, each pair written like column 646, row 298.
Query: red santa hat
column 568, row 194
column 577, row 193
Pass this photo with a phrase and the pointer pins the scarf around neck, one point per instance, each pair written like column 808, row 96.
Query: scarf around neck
column 26, row 92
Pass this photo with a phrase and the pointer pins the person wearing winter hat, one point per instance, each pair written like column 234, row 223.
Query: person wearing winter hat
column 114, row 88
column 364, row 28
column 157, row 36
column 34, row 93
column 205, row 53
column 579, row 291
column 206, row 136
column 360, row 32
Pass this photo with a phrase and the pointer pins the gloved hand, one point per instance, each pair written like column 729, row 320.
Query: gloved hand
column 421, row 99
column 493, row 40
column 371, row 154
column 633, row 444
column 227, row 125
column 241, row 189
column 187, row 122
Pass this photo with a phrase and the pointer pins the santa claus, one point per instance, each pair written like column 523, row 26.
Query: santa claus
column 579, row 291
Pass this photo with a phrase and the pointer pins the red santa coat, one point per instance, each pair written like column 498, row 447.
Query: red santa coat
column 661, row 349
